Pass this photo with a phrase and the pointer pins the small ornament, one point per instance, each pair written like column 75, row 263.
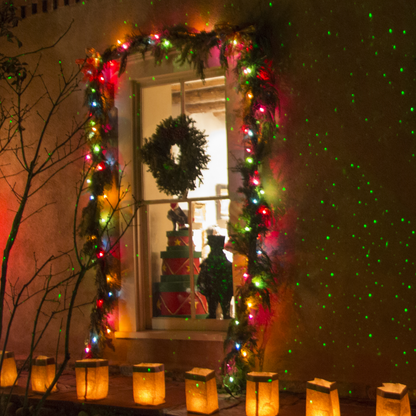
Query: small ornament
column 177, row 216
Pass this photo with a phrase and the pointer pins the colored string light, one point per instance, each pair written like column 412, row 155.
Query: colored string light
column 254, row 116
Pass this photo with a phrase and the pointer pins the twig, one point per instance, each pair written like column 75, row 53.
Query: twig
column 46, row 47
column 37, row 211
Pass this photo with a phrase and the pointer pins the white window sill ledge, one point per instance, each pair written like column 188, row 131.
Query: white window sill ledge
column 174, row 335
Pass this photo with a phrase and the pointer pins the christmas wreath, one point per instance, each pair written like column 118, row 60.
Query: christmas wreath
column 176, row 177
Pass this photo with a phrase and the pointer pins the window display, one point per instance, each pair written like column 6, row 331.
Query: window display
column 183, row 228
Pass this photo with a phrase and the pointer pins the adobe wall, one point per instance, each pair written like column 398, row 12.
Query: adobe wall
column 345, row 157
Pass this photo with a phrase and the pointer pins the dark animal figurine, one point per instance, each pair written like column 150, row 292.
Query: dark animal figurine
column 177, row 216
column 215, row 279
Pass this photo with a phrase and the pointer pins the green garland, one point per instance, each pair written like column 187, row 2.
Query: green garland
column 256, row 83
column 171, row 177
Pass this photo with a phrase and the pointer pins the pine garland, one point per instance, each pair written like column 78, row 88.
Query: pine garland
column 256, row 83
column 103, row 172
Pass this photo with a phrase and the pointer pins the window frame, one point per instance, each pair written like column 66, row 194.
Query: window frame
column 137, row 280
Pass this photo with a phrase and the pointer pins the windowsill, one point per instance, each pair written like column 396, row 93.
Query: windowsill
column 181, row 324
column 182, row 329
column 174, row 335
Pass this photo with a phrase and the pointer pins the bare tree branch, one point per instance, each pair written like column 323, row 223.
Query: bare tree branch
column 44, row 48
column 46, row 204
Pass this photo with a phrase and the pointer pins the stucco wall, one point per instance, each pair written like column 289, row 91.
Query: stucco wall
column 344, row 156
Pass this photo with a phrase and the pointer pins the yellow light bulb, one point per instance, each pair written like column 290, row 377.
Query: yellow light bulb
column 244, row 354
column 249, row 304
column 108, row 330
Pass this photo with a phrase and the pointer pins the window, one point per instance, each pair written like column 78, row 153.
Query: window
column 160, row 288
column 173, row 278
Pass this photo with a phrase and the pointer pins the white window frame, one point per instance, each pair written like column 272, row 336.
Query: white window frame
column 135, row 302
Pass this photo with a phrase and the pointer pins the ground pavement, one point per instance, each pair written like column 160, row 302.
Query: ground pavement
column 119, row 401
